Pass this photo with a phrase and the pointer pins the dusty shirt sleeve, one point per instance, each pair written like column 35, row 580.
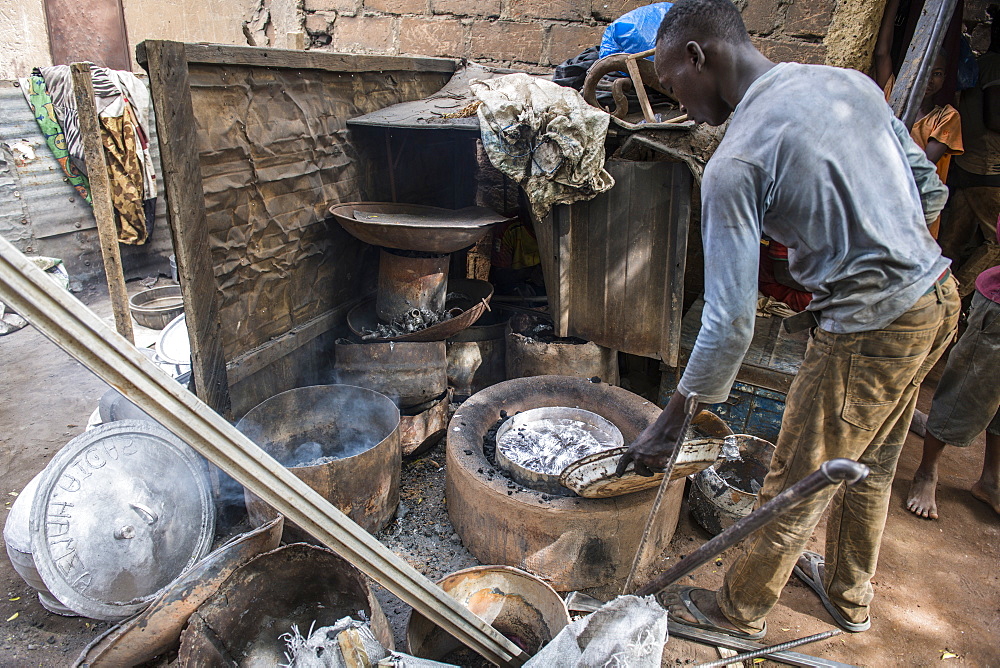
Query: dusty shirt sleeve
column 933, row 193
column 734, row 198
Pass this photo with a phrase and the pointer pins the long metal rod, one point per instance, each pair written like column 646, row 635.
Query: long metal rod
column 722, row 640
column 767, row 651
column 78, row 331
column 831, row 472
column 690, row 408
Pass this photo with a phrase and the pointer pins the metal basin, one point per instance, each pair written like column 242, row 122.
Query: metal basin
column 724, row 493
column 477, row 295
column 156, row 307
column 517, row 604
column 356, row 427
column 535, row 446
column 17, row 540
column 414, row 227
column 296, row 584
column 595, row 477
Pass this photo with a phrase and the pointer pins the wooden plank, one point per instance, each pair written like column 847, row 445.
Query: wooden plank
column 915, row 72
column 644, row 275
column 564, row 238
column 175, row 123
column 676, row 261
column 253, row 56
column 100, row 192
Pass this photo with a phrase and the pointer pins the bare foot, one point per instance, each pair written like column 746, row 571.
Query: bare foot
column 987, row 494
column 921, row 500
column 705, row 601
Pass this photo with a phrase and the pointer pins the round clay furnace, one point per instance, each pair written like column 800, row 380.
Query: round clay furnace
column 343, row 441
column 574, row 543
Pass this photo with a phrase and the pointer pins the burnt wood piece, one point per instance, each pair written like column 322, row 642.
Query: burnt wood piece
column 166, row 63
column 915, row 71
column 221, row 54
column 100, row 193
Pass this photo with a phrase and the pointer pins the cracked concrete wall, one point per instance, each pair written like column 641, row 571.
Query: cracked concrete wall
column 24, row 38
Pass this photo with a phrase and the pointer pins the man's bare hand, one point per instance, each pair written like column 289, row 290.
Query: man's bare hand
column 651, row 451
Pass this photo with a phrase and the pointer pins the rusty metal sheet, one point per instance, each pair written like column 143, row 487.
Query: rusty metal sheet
column 88, row 31
column 614, row 266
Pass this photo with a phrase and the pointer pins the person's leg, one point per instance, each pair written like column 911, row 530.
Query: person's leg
column 922, row 498
column 857, row 520
column 987, row 488
column 860, row 396
column 961, row 225
column 965, row 401
column 800, row 450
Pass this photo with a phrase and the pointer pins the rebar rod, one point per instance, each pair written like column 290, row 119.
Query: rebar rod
column 738, row 658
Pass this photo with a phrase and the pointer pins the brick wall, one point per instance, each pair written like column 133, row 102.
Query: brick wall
column 534, row 35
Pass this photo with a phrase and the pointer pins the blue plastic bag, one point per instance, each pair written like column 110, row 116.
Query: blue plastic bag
column 634, row 31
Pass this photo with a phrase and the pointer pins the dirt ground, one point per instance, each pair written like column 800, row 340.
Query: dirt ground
column 937, row 587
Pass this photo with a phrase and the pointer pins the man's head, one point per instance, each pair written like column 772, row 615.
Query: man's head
column 695, row 51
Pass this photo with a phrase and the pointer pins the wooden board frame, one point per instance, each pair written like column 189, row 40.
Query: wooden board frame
column 167, row 63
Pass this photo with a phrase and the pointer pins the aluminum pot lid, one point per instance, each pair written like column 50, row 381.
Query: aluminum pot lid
column 174, row 346
column 120, row 512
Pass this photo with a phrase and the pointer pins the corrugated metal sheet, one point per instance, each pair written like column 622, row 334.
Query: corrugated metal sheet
column 58, row 221
column 614, row 266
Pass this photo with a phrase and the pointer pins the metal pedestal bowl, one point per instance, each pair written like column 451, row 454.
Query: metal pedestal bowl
column 415, row 227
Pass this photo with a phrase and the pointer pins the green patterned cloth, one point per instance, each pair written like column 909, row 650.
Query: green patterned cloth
column 41, row 104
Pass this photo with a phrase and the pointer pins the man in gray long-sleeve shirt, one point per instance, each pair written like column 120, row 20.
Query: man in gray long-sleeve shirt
column 814, row 159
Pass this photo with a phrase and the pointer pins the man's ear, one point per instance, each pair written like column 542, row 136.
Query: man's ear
column 695, row 55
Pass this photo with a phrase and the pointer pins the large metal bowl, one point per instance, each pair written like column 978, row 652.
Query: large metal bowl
column 415, row 227
column 477, row 296
column 355, row 429
column 156, row 307
column 519, row 605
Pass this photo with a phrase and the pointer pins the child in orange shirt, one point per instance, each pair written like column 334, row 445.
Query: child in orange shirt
column 938, row 129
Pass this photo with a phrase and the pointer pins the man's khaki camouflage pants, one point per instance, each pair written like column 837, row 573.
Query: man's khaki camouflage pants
column 853, row 397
